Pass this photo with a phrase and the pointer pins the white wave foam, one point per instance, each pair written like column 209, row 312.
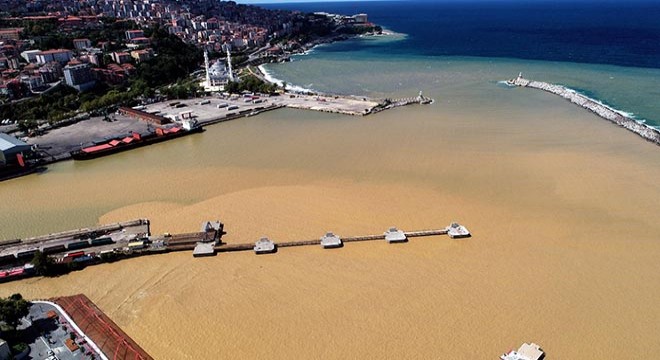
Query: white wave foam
column 626, row 114
column 629, row 115
column 290, row 87
column 506, row 83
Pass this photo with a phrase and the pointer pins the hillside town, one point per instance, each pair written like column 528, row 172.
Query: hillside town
column 86, row 43
column 90, row 68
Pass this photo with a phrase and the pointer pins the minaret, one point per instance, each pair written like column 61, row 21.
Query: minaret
column 231, row 72
column 206, row 67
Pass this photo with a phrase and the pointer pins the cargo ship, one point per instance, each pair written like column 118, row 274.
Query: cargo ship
column 136, row 140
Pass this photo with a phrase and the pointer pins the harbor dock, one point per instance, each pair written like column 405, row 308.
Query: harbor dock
column 89, row 246
column 143, row 125
column 647, row 132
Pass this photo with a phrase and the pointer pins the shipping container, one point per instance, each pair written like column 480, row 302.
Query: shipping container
column 204, row 102
column 77, row 245
column 16, row 272
column 83, row 258
column 175, row 103
column 26, row 254
column 102, row 241
column 7, row 259
column 74, row 254
column 233, row 107
column 223, row 105
column 53, row 249
column 136, row 245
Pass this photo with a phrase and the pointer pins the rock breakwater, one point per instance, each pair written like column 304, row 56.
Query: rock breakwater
column 649, row 133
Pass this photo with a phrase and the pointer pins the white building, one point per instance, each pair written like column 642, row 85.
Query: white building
column 79, row 76
column 81, row 44
column 30, row 55
column 360, row 19
column 33, row 82
column 59, row 55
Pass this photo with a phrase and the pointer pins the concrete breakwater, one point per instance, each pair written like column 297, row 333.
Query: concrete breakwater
column 649, row 133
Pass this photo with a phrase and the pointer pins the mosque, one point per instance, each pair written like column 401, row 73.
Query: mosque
column 217, row 75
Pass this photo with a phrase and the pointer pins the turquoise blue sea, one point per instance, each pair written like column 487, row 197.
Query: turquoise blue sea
column 606, row 50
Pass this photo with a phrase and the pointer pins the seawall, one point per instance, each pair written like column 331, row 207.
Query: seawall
column 602, row 110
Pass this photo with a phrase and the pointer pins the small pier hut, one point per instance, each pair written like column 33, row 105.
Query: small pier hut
column 525, row 352
column 330, row 240
column 213, row 231
column 457, row 231
column 394, row 235
column 204, row 249
column 264, row 246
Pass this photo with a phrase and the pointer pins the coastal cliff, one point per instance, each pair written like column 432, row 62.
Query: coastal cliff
column 649, row 133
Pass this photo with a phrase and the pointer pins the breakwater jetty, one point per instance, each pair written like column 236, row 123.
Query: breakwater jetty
column 648, row 133
column 76, row 249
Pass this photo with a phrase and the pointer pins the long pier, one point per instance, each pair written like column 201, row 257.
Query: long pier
column 89, row 246
column 316, row 242
column 647, row 132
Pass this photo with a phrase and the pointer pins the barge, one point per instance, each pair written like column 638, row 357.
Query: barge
column 135, row 140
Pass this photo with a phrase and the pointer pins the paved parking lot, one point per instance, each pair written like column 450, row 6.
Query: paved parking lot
column 206, row 108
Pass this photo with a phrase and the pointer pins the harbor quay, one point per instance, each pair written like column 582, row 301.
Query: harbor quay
column 76, row 249
column 130, row 128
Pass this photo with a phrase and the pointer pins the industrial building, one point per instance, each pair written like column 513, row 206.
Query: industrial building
column 143, row 116
column 12, row 150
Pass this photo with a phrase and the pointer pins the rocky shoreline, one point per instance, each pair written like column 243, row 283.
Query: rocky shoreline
column 647, row 132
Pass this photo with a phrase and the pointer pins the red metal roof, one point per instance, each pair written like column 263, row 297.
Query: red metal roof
column 127, row 139
column 96, row 148
column 114, row 142
column 54, row 51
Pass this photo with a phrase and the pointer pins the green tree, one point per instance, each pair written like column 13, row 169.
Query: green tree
column 13, row 309
column 43, row 264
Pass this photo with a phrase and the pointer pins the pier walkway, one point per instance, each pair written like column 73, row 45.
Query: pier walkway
column 85, row 247
column 648, row 133
column 190, row 243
